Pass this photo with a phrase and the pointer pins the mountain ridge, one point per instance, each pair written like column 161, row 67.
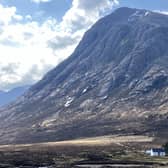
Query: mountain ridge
column 115, row 82
column 7, row 97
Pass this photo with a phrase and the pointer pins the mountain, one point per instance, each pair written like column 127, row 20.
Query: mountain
column 115, row 82
column 11, row 95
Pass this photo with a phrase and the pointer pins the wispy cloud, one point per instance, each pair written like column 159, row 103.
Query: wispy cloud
column 39, row 1
column 162, row 12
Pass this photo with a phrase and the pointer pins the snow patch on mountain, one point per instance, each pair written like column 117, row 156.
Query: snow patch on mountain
column 138, row 15
column 69, row 101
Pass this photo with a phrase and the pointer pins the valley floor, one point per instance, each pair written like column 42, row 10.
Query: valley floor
column 98, row 152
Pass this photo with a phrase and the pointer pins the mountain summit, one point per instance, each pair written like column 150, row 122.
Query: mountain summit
column 115, row 82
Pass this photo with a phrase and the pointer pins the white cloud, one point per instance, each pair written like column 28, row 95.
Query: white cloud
column 24, row 45
column 84, row 13
column 7, row 14
column 18, row 17
column 92, row 5
column 28, row 17
column 39, row 1
column 18, row 63
column 30, row 49
column 162, row 12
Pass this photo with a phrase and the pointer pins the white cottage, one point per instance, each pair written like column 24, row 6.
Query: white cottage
column 156, row 152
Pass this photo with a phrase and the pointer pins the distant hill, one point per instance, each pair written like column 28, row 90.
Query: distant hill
column 11, row 95
column 115, row 82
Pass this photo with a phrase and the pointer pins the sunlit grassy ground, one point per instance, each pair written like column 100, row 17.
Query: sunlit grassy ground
column 98, row 141
column 67, row 153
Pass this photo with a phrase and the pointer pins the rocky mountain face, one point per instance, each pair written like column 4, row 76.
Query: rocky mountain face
column 11, row 95
column 115, row 82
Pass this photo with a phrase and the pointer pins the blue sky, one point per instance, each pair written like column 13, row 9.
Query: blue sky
column 36, row 35
column 54, row 8
column 146, row 4
column 57, row 8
